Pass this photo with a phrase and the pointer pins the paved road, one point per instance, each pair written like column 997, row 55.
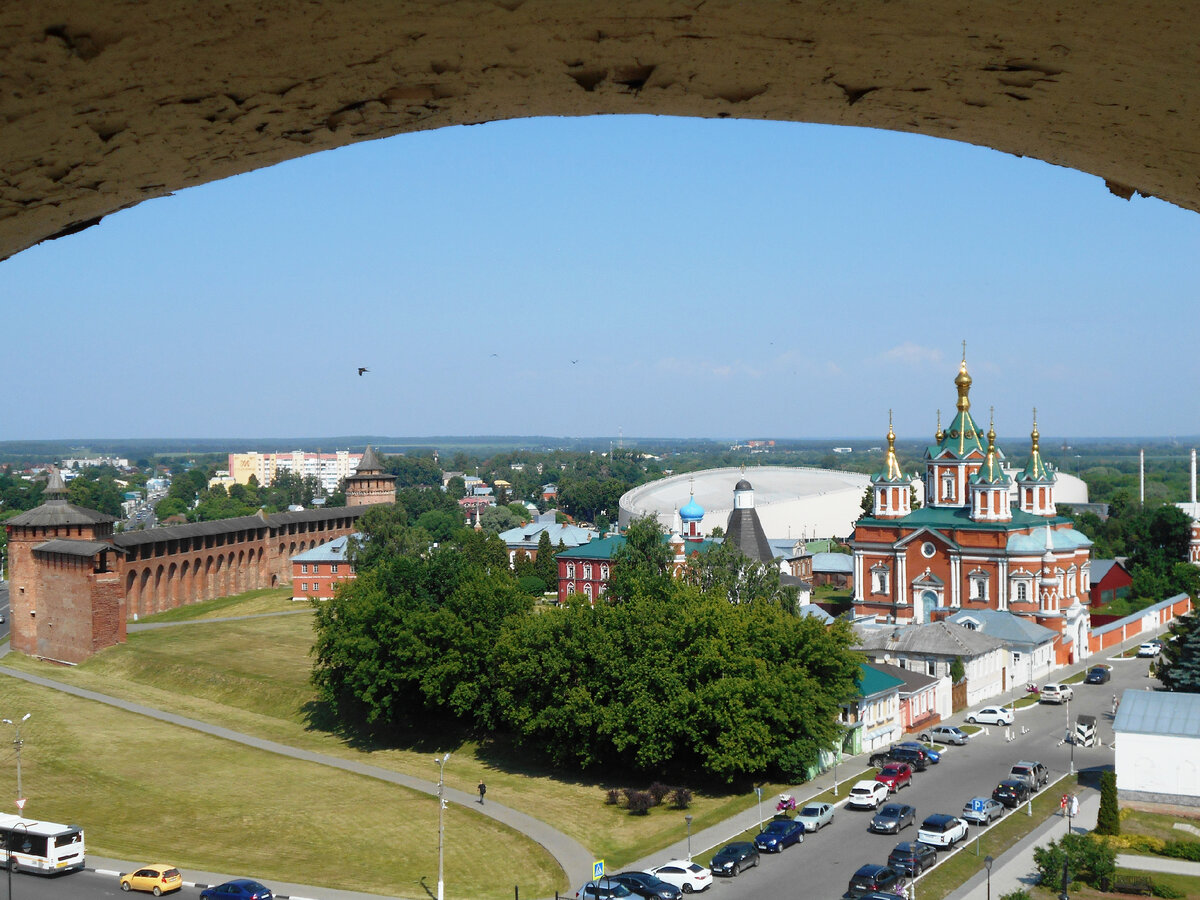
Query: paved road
column 821, row 867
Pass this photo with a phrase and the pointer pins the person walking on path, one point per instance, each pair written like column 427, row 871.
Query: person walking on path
column 482, row 791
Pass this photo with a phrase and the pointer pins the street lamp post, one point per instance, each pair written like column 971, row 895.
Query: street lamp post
column 688, row 819
column 987, row 864
column 17, row 744
column 8, row 845
column 441, row 762
column 758, row 791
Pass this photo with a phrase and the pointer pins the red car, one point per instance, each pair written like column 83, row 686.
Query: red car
column 895, row 776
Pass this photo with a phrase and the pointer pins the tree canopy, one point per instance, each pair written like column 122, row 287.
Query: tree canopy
column 667, row 677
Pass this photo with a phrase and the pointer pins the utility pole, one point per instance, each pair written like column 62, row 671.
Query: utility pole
column 17, row 744
column 441, row 761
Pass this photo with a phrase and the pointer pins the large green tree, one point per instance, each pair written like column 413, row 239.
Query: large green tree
column 641, row 567
column 1179, row 667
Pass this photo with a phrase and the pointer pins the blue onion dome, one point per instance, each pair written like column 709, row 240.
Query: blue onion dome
column 691, row 511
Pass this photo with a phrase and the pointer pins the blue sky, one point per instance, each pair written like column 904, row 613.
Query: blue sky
column 576, row 277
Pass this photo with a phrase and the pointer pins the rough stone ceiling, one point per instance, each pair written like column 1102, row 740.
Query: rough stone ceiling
column 106, row 104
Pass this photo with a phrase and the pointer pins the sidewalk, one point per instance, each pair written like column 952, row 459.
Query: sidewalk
column 1015, row 871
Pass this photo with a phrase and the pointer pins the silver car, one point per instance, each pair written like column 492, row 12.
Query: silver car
column 945, row 734
column 814, row 815
column 982, row 810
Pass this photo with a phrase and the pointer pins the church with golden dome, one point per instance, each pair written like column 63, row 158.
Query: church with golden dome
column 982, row 540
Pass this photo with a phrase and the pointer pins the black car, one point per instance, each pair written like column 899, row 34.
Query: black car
column 647, row 886
column 733, row 858
column 871, row 878
column 1098, row 675
column 1011, row 792
column 892, row 817
column 915, row 758
column 912, row 858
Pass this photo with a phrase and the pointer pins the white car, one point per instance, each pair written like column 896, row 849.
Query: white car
column 942, row 830
column 867, row 794
column 991, row 715
column 686, row 875
column 1150, row 648
column 1056, row 693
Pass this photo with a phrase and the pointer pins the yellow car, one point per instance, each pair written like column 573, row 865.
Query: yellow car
column 157, row 878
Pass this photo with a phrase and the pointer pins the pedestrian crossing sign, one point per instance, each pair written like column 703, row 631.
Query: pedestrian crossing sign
column 598, row 869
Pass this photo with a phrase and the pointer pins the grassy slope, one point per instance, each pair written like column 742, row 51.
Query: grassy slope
column 145, row 790
column 253, row 676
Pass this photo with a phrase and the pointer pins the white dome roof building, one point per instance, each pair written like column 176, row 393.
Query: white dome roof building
column 791, row 502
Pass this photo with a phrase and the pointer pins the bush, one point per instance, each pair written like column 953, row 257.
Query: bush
column 1108, row 820
column 1016, row 895
column 659, row 791
column 532, row 585
column 681, row 798
column 613, row 797
column 1089, row 859
column 1181, row 849
column 639, row 802
column 1160, row 889
column 1137, row 843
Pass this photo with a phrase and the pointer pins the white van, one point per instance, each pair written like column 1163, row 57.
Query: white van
column 1056, row 693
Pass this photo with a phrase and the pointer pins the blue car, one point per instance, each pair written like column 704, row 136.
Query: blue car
column 779, row 834
column 932, row 755
column 238, row 889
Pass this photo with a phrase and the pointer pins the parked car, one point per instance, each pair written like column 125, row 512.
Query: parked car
column 815, row 815
column 684, row 874
column 603, row 889
column 942, row 830
column 1011, row 792
column 1055, row 693
column 915, row 758
column 867, row 794
column 895, row 776
column 982, row 810
column 871, row 878
column 945, row 734
column 157, row 878
column 1149, row 648
column 647, row 886
column 1033, row 774
column 931, row 755
column 242, row 889
column 779, row 834
column 912, row 858
column 991, row 715
column 892, row 817
column 1098, row 675
column 733, row 858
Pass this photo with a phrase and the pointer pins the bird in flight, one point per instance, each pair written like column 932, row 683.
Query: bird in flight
column 574, row 361
column 362, row 369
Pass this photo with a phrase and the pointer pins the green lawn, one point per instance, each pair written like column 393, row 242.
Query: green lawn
column 147, row 790
column 253, row 676
column 251, row 603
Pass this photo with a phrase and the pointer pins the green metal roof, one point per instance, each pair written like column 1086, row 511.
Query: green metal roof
column 963, row 437
column 960, row 517
column 606, row 548
column 872, row 682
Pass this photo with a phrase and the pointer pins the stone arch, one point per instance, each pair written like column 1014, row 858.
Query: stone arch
column 1062, row 89
column 172, row 592
column 132, row 594
column 160, row 587
column 207, row 591
column 145, row 593
column 185, row 583
column 239, row 573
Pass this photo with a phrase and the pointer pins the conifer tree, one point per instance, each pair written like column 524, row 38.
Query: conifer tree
column 1108, row 820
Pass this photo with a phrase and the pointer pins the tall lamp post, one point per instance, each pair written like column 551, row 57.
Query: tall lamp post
column 758, row 791
column 10, row 839
column 688, row 819
column 17, row 743
column 987, row 864
column 441, row 762
column 1070, row 737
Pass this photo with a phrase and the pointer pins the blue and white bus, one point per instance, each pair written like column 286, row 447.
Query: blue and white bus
column 40, row 847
